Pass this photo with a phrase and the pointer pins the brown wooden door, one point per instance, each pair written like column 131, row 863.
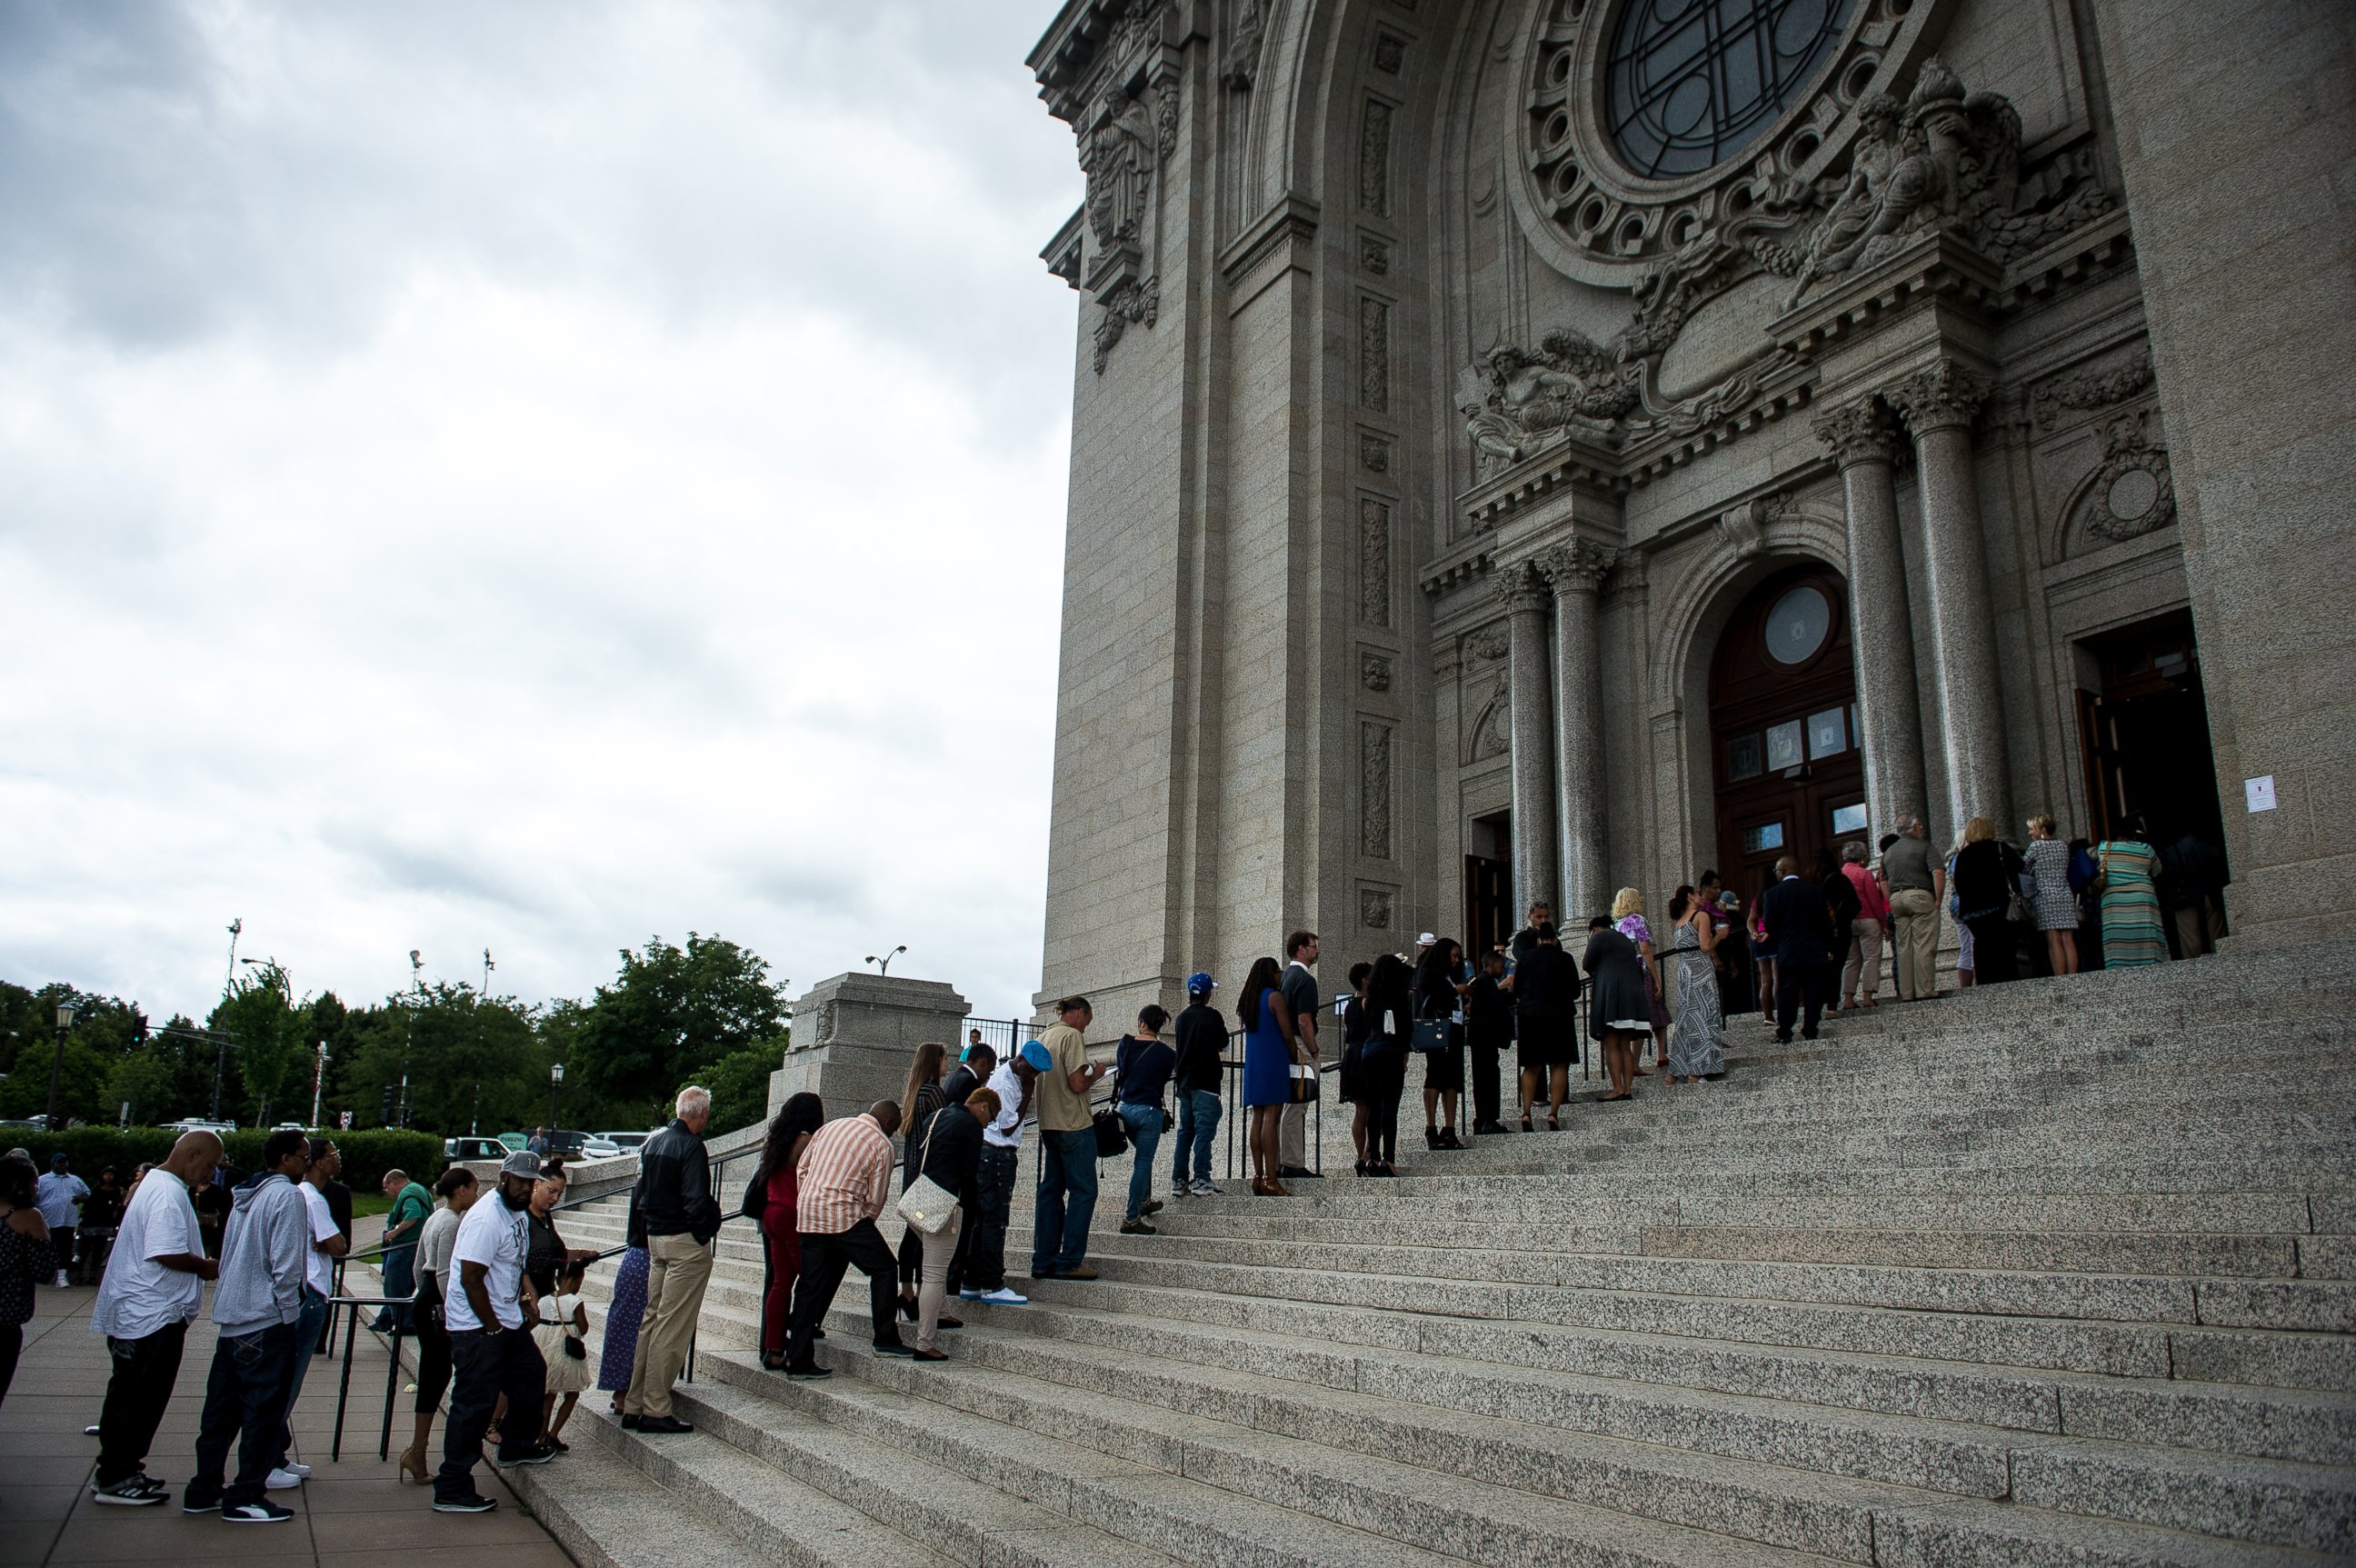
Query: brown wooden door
column 1787, row 766
column 1488, row 903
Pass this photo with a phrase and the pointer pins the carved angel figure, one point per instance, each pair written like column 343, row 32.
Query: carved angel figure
column 1120, row 163
column 1510, row 397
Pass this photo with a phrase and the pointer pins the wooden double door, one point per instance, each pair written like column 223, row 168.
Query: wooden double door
column 1788, row 766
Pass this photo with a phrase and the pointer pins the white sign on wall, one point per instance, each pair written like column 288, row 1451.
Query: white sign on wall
column 2261, row 792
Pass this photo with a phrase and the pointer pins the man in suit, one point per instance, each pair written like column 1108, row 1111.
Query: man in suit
column 1800, row 929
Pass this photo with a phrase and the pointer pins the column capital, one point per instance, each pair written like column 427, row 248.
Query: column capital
column 1858, row 432
column 1518, row 590
column 1939, row 396
column 1575, row 566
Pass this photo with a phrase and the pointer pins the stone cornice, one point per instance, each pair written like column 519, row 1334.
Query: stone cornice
column 1471, row 559
column 1940, row 266
column 1571, row 462
column 1062, row 254
column 1289, row 227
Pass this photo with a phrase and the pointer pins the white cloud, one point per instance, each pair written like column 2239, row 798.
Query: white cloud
column 532, row 478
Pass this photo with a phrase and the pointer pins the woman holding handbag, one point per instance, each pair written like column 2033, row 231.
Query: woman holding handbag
column 1390, row 1007
column 1439, row 997
column 944, row 1158
column 1142, row 1069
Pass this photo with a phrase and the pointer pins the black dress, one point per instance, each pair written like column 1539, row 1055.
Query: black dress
column 1546, row 1009
column 1354, row 1029
column 1618, row 996
column 1435, row 997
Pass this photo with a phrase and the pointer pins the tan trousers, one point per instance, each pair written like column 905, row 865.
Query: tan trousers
column 677, row 1268
column 933, row 1284
column 1916, row 948
column 1293, row 1136
column 1864, row 959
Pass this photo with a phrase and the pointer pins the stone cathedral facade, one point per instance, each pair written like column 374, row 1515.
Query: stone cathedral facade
column 1535, row 446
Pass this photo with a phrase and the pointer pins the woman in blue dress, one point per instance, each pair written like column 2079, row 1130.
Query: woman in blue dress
column 1268, row 1068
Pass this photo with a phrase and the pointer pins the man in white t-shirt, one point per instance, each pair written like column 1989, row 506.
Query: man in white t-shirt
column 59, row 1194
column 1002, row 1149
column 491, row 1349
column 154, row 1282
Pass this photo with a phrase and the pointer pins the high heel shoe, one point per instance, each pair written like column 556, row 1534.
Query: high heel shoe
column 412, row 1467
column 1525, row 1125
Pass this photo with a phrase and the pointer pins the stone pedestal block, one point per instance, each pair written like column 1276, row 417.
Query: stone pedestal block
column 853, row 1036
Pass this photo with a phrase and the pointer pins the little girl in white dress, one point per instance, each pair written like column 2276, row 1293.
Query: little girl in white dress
column 564, row 1322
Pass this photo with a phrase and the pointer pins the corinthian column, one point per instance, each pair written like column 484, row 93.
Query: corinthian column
column 1937, row 404
column 1524, row 599
column 1576, row 570
column 1881, row 633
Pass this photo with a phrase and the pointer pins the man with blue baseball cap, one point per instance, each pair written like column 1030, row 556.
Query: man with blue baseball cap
column 984, row 1277
column 1201, row 1052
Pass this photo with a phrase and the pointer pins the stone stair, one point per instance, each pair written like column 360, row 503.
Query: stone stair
column 2056, row 1273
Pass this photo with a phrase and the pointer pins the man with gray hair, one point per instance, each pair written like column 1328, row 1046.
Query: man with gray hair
column 673, row 1217
column 1914, row 880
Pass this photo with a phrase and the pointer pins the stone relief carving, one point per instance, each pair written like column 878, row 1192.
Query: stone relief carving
column 1944, row 159
column 1518, row 588
column 1374, row 671
column 1373, row 454
column 1374, row 908
column 1119, row 159
column 1937, row 397
column 1575, row 566
column 1490, row 644
column 1127, row 302
column 1390, row 52
column 2130, row 493
column 1374, row 160
column 1374, row 355
column 1375, row 785
column 1374, row 254
column 1374, row 564
column 1514, row 398
column 1743, row 528
column 2091, row 390
column 1492, row 727
column 1240, row 65
column 1860, row 432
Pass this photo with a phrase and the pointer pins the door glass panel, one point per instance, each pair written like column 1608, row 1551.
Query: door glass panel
column 1783, row 746
column 1764, row 837
column 1848, row 818
column 1742, row 757
column 1828, row 733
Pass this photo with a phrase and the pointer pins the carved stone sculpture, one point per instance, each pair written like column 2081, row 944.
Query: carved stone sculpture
column 1239, row 67
column 2091, row 390
column 1511, row 399
column 1374, row 671
column 1127, row 302
column 1856, row 433
column 1944, row 159
column 1575, row 566
column 1936, row 397
column 2131, row 493
column 1374, row 908
column 1119, row 162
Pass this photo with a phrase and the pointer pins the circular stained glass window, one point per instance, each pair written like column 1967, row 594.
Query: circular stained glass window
column 1797, row 624
column 1689, row 84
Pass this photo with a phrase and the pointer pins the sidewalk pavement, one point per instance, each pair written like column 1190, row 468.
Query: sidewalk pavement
column 353, row 1513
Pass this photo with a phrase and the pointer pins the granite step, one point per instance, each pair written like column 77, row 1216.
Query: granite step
column 1247, row 1497
column 1166, row 1410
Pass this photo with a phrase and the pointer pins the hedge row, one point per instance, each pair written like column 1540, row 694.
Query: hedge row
column 367, row 1155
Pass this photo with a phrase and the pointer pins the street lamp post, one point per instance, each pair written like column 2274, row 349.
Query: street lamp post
column 884, row 964
column 57, row 1062
column 556, row 1083
column 318, row 1083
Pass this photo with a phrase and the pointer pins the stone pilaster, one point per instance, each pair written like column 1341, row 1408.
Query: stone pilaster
column 1576, row 570
column 1535, row 836
column 1937, row 404
column 1864, row 442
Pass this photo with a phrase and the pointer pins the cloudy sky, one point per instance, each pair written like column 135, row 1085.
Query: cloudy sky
column 530, row 476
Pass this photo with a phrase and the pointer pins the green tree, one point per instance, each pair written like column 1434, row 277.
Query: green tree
column 670, row 1011
column 469, row 1060
column 739, row 1082
column 265, row 1025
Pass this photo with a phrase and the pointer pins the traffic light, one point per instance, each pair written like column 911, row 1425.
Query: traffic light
column 390, row 1095
column 138, row 1027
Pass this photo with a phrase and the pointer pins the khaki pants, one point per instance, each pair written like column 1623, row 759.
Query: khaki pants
column 1864, row 959
column 677, row 1268
column 1293, row 1136
column 1915, row 951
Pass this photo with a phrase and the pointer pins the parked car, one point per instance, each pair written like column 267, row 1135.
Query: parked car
column 597, row 1146
column 626, row 1142
column 576, row 1144
column 471, row 1148
column 290, row 1127
column 198, row 1124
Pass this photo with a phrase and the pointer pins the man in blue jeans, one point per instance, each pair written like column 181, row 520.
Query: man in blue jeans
column 1198, row 1078
column 1141, row 1071
column 1067, row 1148
column 265, row 1252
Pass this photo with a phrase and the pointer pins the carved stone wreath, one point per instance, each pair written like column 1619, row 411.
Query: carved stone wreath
column 2130, row 493
column 1602, row 224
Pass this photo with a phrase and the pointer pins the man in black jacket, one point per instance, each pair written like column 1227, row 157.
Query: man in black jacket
column 674, row 1217
column 971, row 1073
column 1800, row 929
column 1201, row 1036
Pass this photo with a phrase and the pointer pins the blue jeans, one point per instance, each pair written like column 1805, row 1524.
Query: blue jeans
column 1067, row 1166
column 993, row 1185
column 1144, row 1131
column 400, row 1285
column 1198, row 1125
column 309, row 1324
column 244, row 1398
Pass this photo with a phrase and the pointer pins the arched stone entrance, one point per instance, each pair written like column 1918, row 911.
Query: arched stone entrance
column 1787, row 770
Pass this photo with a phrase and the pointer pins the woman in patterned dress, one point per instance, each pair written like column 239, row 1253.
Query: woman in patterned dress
column 1697, row 1039
column 1628, row 919
column 2057, row 901
column 623, row 1317
column 2131, row 929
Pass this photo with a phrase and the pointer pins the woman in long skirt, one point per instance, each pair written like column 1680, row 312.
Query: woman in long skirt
column 1697, row 1039
column 2131, row 929
column 622, row 1319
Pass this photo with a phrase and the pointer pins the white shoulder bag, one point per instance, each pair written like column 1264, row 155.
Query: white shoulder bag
column 926, row 1204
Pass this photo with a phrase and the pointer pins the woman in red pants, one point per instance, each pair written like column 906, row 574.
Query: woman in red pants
column 781, row 1192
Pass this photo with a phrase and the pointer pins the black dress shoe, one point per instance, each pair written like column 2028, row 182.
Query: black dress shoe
column 663, row 1424
column 896, row 1347
column 629, row 1422
column 808, row 1374
column 1296, row 1171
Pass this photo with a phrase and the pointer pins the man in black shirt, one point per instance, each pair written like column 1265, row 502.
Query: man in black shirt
column 1301, row 995
column 1489, row 1029
column 1799, row 931
column 1202, row 1036
column 1541, row 914
column 674, row 1217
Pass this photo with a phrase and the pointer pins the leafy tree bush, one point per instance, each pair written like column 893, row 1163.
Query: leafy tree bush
column 367, row 1154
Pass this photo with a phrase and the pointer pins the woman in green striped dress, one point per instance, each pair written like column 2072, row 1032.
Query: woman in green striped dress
column 2131, row 929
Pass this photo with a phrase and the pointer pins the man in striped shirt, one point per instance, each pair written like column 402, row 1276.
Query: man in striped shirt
column 846, row 1174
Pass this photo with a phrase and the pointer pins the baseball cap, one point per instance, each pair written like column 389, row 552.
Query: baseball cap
column 1040, row 1058
column 521, row 1163
column 1200, row 984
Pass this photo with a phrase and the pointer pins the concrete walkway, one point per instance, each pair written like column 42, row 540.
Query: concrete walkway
column 353, row 1513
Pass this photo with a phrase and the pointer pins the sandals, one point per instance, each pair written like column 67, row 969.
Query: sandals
column 1526, row 1123
column 1554, row 1124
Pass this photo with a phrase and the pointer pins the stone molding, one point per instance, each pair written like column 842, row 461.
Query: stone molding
column 2091, row 389
column 1940, row 396
column 1518, row 588
column 1576, row 567
column 1858, row 432
column 1290, row 228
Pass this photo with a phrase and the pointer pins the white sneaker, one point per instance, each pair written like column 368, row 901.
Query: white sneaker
column 61, row 1279
column 301, row 1472
column 283, row 1480
column 969, row 1295
column 1002, row 1297
column 1204, row 1188
column 1182, row 1189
